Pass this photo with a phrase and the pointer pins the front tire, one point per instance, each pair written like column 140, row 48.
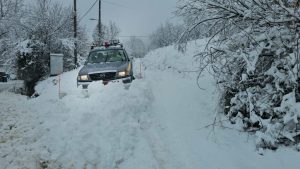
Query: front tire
column 85, row 86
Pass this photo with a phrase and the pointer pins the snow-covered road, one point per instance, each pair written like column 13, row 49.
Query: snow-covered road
column 96, row 132
column 112, row 128
column 156, row 124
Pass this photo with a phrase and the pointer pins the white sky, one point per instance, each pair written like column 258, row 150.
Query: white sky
column 134, row 17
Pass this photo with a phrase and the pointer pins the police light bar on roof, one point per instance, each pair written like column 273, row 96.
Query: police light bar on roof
column 107, row 44
column 114, row 42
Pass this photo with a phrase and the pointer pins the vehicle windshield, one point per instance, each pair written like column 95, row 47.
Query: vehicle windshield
column 102, row 56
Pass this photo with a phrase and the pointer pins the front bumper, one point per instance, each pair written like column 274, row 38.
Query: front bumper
column 127, row 79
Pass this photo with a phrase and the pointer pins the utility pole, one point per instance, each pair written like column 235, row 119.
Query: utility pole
column 75, row 31
column 99, row 23
column 1, row 9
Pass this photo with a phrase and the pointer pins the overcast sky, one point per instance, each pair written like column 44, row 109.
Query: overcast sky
column 134, row 17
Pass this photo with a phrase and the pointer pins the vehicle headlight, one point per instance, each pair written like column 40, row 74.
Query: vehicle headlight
column 122, row 74
column 128, row 69
column 83, row 77
column 125, row 72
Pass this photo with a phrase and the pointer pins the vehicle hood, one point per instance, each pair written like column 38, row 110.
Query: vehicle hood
column 99, row 67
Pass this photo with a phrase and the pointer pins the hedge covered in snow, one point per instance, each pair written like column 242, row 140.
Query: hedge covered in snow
column 253, row 54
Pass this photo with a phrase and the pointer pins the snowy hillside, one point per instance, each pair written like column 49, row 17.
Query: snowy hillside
column 159, row 123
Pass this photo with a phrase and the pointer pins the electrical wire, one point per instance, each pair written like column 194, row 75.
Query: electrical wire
column 84, row 15
column 116, row 4
column 104, row 1
column 59, row 27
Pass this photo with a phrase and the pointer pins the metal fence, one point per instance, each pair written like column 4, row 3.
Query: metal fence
column 13, row 85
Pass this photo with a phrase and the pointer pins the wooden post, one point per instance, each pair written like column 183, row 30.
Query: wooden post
column 75, row 32
column 59, row 87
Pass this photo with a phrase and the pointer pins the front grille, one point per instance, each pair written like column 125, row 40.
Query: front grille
column 103, row 76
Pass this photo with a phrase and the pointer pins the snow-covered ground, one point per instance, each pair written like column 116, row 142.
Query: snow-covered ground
column 157, row 124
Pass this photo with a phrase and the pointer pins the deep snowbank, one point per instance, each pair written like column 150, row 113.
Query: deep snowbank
column 183, row 110
column 170, row 58
column 75, row 131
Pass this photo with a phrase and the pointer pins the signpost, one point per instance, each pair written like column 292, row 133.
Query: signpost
column 56, row 69
column 56, row 64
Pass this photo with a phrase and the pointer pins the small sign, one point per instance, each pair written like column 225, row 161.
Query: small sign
column 56, row 64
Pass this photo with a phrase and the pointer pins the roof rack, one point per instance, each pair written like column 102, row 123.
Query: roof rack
column 107, row 44
column 115, row 42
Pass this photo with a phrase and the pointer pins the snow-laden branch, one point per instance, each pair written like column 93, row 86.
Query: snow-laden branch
column 253, row 51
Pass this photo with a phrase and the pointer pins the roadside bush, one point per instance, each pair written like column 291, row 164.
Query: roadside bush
column 32, row 63
column 254, row 57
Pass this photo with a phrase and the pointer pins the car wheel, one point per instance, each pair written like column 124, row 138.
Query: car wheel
column 127, row 81
column 85, row 86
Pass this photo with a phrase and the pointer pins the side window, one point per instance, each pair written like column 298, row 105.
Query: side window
column 90, row 57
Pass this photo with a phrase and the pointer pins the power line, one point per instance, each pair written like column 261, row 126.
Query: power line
column 88, row 10
column 59, row 27
column 116, row 4
column 107, row 2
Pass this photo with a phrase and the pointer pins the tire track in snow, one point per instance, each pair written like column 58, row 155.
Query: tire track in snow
column 159, row 149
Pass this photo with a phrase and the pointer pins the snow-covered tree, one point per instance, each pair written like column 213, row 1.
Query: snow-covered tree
column 47, row 28
column 136, row 47
column 112, row 31
column 108, row 32
column 32, row 63
column 98, row 37
column 10, row 31
column 165, row 35
column 254, row 55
